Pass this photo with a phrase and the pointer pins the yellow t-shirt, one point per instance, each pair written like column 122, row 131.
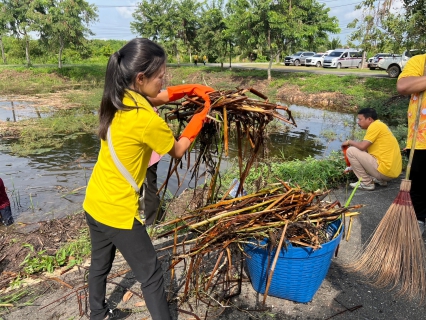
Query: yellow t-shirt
column 415, row 68
column 384, row 147
column 110, row 199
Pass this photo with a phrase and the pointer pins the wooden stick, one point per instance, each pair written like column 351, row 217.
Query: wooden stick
column 225, row 129
column 277, row 254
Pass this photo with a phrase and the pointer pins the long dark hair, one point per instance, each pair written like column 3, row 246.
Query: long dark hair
column 138, row 55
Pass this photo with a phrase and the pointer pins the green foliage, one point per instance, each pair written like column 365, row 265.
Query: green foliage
column 380, row 29
column 261, row 58
column 392, row 111
column 16, row 295
column 42, row 134
column 310, row 174
column 93, row 74
column 69, row 255
column 400, row 133
column 272, row 27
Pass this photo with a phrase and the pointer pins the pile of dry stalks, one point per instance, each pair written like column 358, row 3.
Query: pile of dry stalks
column 208, row 247
column 230, row 110
column 213, row 237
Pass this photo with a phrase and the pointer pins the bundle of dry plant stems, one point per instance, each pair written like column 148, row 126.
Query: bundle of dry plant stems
column 210, row 239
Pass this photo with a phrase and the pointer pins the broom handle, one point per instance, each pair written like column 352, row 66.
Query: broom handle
column 413, row 143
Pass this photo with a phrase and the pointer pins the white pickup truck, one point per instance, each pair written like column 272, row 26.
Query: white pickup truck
column 395, row 63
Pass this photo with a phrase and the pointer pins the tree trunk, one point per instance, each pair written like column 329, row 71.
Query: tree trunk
column 3, row 55
column 230, row 55
column 363, row 60
column 61, row 49
column 175, row 49
column 270, row 56
column 27, row 50
column 270, row 67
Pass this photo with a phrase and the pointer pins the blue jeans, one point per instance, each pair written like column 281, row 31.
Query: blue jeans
column 136, row 247
column 6, row 216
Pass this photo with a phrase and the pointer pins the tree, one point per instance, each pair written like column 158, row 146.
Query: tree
column 3, row 30
column 382, row 27
column 64, row 23
column 274, row 26
column 19, row 22
column 154, row 19
column 213, row 35
column 334, row 43
column 416, row 16
column 169, row 22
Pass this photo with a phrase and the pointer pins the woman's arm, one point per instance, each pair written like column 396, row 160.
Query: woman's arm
column 179, row 148
column 411, row 85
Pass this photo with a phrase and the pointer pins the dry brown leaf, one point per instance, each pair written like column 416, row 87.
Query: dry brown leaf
column 140, row 303
column 127, row 296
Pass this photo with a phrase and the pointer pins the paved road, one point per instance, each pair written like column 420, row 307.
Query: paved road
column 275, row 67
column 282, row 68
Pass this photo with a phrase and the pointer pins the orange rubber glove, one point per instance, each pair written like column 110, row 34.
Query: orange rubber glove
column 344, row 148
column 194, row 126
column 178, row 92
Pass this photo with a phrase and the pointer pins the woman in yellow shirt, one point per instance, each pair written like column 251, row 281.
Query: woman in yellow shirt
column 412, row 80
column 134, row 78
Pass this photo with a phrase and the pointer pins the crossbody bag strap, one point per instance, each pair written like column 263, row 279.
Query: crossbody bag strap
column 119, row 165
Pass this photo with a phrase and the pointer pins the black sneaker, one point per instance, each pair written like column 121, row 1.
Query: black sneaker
column 117, row 314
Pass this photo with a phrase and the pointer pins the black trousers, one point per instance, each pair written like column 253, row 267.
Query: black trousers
column 153, row 211
column 418, row 181
column 136, row 247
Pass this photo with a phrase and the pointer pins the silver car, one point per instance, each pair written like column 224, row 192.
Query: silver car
column 316, row 60
column 298, row 58
column 375, row 60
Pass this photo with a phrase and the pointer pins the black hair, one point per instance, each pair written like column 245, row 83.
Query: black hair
column 368, row 113
column 138, row 55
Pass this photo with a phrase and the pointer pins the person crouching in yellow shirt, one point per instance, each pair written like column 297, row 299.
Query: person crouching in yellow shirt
column 377, row 158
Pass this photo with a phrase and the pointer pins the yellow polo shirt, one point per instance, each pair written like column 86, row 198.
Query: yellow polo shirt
column 110, row 199
column 385, row 148
column 415, row 68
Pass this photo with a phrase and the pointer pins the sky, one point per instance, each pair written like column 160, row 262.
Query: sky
column 115, row 17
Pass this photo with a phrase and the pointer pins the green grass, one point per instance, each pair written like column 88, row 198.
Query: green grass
column 40, row 135
column 310, row 174
column 71, row 254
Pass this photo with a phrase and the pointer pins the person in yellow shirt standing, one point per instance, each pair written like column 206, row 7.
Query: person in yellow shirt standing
column 130, row 130
column 195, row 59
column 204, row 59
column 377, row 158
column 412, row 80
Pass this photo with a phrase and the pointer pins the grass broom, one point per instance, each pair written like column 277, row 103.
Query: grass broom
column 394, row 256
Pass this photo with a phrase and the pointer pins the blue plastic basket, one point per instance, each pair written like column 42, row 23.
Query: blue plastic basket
column 299, row 271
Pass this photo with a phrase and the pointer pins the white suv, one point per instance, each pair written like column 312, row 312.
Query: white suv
column 316, row 60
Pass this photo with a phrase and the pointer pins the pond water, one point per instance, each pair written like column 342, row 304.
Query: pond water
column 21, row 110
column 52, row 185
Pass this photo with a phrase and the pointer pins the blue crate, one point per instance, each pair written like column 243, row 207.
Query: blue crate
column 299, row 271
